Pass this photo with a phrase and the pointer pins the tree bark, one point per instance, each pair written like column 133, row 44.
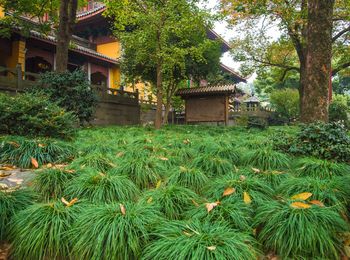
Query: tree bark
column 315, row 99
column 166, row 112
column 67, row 16
column 159, row 110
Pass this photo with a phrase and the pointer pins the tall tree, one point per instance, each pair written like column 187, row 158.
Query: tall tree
column 160, row 33
column 292, row 18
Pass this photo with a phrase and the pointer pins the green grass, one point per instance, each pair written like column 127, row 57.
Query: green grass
column 179, row 240
column 104, row 232
column 19, row 151
column 11, row 202
column 97, row 187
column 213, row 165
column 266, row 159
column 95, row 160
column 295, row 233
column 40, row 231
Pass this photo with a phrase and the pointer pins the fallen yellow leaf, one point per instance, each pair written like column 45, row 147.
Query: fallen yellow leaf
column 211, row 206
column 300, row 205
column 34, row 163
column 229, row 191
column 164, row 158
column 150, row 199
column 122, row 209
column 159, row 183
column 211, row 248
column 256, row 170
column 317, row 202
column 246, row 198
column 302, row 196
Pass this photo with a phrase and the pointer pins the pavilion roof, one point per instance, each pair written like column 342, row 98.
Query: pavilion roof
column 207, row 90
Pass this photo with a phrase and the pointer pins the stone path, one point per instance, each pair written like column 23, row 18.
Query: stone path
column 12, row 177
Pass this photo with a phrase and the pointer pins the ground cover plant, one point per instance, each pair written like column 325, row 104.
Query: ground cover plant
column 182, row 192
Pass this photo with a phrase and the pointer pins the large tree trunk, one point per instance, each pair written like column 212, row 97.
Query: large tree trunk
column 67, row 16
column 166, row 113
column 159, row 110
column 315, row 99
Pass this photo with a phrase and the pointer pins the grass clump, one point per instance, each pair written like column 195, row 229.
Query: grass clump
column 114, row 231
column 20, row 151
column 195, row 240
column 295, row 232
column 266, row 159
column 50, row 183
column 191, row 178
column 317, row 168
column 95, row 160
column 40, row 231
column 213, row 165
column 11, row 202
column 172, row 200
column 102, row 187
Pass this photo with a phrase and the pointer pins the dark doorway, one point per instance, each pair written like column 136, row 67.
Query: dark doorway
column 99, row 79
column 37, row 65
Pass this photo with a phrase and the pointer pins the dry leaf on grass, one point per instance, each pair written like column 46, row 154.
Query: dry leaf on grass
column 302, row 196
column 228, row 191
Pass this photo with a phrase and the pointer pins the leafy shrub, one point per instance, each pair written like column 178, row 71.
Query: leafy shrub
column 300, row 233
column 256, row 189
column 11, row 202
column 72, row 91
column 34, row 115
column 331, row 192
column 196, row 240
column 191, row 178
column 339, row 110
column 172, row 200
column 286, row 103
column 266, row 159
column 40, row 231
column 102, row 187
column 326, row 141
column 19, row 151
column 234, row 211
column 257, row 122
column 318, row 168
column 50, row 183
column 113, row 231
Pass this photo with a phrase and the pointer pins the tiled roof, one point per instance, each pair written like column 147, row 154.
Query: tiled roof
column 252, row 99
column 99, row 8
column 230, row 70
column 224, row 89
column 75, row 47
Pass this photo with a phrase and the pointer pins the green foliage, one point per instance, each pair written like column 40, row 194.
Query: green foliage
column 326, row 141
column 19, row 151
column 34, row 115
column 105, row 232
column 297, row 233
column 257, row 122
column 50, row 183
column 339, row 110
column 266, row 159
column 102, row 187
column 190, row 178
column 317, row 168
column 196, row 240
column 95, row 160
column 286, row 103
column 172, row 200
column 72, row 91
column 40, row 231
column 212, row 165
column 11, row 202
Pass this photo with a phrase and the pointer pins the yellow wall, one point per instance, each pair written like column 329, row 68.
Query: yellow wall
column 114, row 77
column 17, row 55
column 145, row 91
column 2, row 12
column 111, row 50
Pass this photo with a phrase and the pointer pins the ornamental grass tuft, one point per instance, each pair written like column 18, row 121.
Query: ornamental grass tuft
column 20, row 151
column 97, row 187
column 300, row 231
column 317, row 168
column 113, row 231
column 266, row 159
column 190, row 178
column 11, row 202
column 180, row 240
column 213, row 165
column 50, row 183
column 95, row 160
column 40, row 231
column 172, row 200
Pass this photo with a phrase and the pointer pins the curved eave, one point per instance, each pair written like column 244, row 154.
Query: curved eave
column 234, row 73
column 89, row 14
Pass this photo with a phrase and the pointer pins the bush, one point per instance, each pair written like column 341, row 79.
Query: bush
column 196, row 240
column 113, row 232
column 326, row 141
column 11, row 202
column 40, row 231
column 286, row 103
column 72, row 91
column 295, row 232
column 20, row 151
column 339, row 110
column 257, row 122
column 34, row 115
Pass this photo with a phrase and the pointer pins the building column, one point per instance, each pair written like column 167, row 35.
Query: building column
column 18, row 55
column 89, row 71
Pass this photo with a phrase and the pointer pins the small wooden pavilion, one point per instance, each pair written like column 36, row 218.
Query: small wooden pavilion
column 207, row 104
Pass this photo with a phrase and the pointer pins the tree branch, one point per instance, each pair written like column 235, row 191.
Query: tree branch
column 339, row 34
column 269, row 63
column 339, row 68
